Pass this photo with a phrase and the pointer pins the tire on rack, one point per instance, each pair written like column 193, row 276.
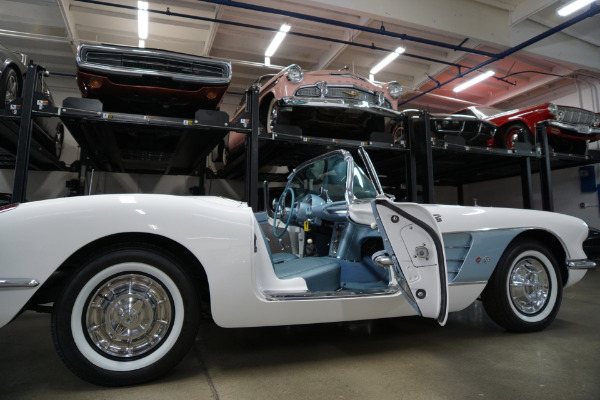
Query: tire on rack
column 10, row 87
column 525, row 291
column 515, row 132
column 127, row 317
column 59, row 138
column 272, row 116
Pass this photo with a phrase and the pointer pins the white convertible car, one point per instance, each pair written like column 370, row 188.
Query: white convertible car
column 128, row 276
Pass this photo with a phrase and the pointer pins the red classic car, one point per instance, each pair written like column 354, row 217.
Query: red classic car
column 568, row 127
column 150, row 81
column 328, row 103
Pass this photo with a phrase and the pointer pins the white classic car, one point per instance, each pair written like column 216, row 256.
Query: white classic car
column 128, row 275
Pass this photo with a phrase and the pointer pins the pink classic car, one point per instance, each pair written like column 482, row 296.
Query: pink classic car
column 336, row 104
column 568, row 127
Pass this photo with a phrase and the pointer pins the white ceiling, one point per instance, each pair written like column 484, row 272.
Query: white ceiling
column 49, row 31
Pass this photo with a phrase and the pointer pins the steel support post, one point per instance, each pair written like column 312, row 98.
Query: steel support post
column 427, row 161
column 252, row 150
column 526, row 183
column 545, row 171
column 19, row 192
column 411, row 160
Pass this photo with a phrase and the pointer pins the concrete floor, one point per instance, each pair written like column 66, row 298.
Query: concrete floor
column 404, row 358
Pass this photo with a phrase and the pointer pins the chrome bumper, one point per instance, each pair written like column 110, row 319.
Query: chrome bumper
column 340, row 103
column 580, row 264
column 582, row 130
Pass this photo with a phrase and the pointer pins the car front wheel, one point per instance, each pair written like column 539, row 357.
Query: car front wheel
column 525, row 291
column 127, row 317
column 9, row 86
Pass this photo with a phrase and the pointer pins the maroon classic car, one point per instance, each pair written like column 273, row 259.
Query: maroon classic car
column 568, row 127
column 149, row 81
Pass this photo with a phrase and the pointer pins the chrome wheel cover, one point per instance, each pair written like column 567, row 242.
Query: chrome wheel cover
column 128, row 315
column 12, row 86
column 529, row 286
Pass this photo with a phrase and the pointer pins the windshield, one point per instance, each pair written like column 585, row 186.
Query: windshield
column 487, row 111
column 327, row 177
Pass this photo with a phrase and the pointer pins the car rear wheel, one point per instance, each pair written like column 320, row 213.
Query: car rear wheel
column 127, row 317
column 515, row 133
column 525, row 291
column 9, row 86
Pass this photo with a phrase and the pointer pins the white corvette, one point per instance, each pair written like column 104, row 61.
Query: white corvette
column 127, row 277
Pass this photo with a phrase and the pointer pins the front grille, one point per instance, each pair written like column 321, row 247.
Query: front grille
column 155, row 63
column 576, row 116
column 351, row 94
column 343, row 93
column 308, row 91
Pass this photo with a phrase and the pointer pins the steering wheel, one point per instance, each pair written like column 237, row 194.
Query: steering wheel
column 281, row 203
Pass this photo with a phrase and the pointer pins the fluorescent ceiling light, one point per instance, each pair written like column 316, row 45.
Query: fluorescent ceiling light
column 387, row 60
column 573, row 6
column 285, row 28
column 267, row 61
column 143, row 19
column 141, row 43
column 473, row 81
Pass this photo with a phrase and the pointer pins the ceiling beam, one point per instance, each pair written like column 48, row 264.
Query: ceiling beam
column 527, row 9
column 521, row 89
column 455, row 18
column 337, row 48
column 213, row 31
column 65, row 11
column 558, row 48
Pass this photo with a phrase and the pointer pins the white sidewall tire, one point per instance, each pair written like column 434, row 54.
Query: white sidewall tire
column 80, row 337
column 551, row 301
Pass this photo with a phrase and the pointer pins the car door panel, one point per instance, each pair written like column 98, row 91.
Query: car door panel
column 413, row 240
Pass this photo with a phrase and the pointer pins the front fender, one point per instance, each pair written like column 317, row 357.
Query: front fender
column 38, row 237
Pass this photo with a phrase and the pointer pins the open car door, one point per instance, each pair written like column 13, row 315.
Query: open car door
column 415, row 251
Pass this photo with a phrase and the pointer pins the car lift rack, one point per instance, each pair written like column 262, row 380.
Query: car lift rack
column 426, row 159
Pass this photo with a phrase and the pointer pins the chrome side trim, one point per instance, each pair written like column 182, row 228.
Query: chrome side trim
column 273, row 295
column 467, row 283
column 580, row 264
column 18, row 282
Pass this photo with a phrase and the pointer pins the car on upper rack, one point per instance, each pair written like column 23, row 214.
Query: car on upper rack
column 465, row 130
column 151, row 81
column 325, row 104
column 47, row 132
column 568, row 129
column 127, row 292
